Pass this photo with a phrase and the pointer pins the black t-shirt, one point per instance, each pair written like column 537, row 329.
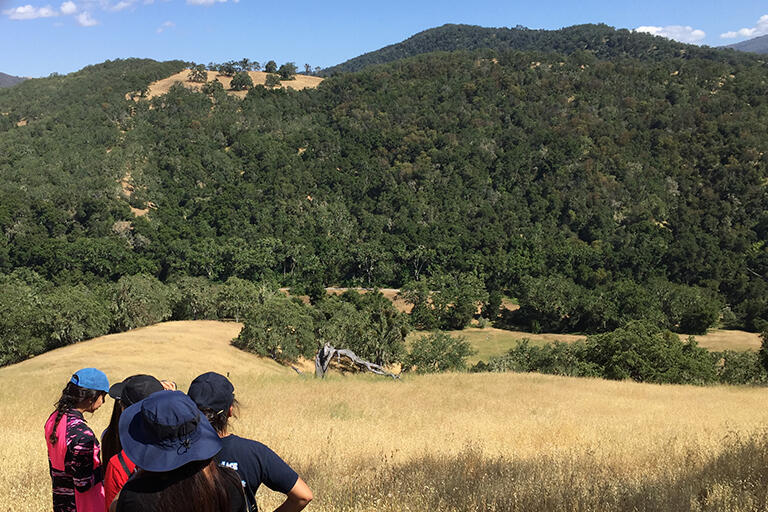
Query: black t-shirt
column 257, row 465
column 140, row 493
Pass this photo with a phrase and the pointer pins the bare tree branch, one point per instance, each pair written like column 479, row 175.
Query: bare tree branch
column 326, row 353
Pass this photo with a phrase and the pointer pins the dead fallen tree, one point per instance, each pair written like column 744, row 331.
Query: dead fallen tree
column 326, row 354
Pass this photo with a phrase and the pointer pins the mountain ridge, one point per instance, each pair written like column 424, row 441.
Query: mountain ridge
column 755, row 45
column 7, row 80
column 603, row 41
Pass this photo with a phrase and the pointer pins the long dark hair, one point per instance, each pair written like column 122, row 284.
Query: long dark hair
column 220, row 419
column 72, row 397
column 110, row 440
column 199, row 486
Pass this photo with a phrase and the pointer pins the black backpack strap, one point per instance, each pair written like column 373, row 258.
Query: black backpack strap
column 122, row 463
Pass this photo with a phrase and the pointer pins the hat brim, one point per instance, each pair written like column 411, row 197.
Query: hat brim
column 116, row 390
column 151, row 454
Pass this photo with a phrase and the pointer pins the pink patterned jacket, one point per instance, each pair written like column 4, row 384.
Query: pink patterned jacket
column 74, row 463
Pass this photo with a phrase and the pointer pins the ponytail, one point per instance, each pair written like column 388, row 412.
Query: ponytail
column 72, row 396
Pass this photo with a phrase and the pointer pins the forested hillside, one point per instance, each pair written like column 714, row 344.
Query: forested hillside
column 597, row 191
column 601, row 40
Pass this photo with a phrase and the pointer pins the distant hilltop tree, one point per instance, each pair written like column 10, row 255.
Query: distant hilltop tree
column 241, row 81
column 228, row 68
column 272, row 81
column 270, row 67
column 198, row 74
column 287, row 71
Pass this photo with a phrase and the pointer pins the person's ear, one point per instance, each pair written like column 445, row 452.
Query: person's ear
column 229, row 413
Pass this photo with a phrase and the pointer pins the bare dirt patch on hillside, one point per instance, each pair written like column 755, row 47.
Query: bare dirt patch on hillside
column 259, row 78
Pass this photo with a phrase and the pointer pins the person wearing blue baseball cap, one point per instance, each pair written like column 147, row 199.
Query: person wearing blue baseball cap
column 173, row 445
column 73, row 450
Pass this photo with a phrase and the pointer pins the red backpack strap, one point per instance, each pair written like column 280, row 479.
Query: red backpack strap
column 120, row 457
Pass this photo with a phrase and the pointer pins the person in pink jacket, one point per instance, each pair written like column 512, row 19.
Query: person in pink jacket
column 73, row 450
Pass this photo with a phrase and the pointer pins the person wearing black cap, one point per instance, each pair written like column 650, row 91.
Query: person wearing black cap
column 173, row 444
column 255, row 463
column 119, row 466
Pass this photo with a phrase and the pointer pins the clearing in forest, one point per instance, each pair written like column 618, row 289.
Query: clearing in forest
column 259, row 78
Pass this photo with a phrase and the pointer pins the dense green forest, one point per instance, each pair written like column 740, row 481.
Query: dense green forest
column 601, row 40
column 599, row 186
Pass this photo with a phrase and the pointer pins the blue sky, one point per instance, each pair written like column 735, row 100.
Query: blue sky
column 38, row 37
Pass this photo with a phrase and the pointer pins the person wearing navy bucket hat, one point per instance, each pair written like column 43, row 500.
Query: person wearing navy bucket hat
column 119, row 467
column 255, row 462
column 173, row 446
column 73, row 450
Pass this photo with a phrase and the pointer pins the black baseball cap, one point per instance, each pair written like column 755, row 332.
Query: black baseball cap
column 135, row 389
column 212, row 391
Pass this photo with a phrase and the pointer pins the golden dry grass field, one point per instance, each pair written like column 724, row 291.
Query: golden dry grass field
column 259, row 78
column 347, row 434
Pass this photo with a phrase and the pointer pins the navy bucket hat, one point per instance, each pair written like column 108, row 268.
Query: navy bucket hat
column 165, row 431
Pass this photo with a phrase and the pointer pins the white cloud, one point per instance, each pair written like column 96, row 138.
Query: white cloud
column 29, row 12
column 86, row 20
column 684, row 34
column 124, row 4
column 68, row 8
column 165, row 26
column 760, row 29
column 205, row 2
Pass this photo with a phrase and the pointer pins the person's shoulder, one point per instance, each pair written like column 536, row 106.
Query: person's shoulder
column 79, row 431
column 242, row 442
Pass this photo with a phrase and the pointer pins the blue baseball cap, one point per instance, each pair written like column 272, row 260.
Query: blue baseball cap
column 91, row 378
column 166, row 431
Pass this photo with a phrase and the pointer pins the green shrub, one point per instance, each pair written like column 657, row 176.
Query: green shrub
column 445, row 301
column 279, row 327
column 739, row 367
column 272, row 80
column 553, row 358
column 368, row 324
column 212, row 87
column 241, row 81
column 73, row 313
column 689, row 309
column 643, row 352
column 195, row 298
column 139, row 300
column 438, row 352
column 236, row 298
column 20, row 303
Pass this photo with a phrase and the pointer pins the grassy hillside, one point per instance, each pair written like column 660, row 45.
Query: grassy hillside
column 601, row 40
column 355, row 438
column 162, row 86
